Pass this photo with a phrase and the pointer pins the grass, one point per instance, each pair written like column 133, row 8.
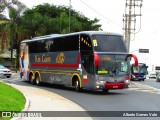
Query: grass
column 10, row 99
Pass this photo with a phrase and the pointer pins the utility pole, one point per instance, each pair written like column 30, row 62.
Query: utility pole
column 132, row 10
column 129, row 25
column 69, row 16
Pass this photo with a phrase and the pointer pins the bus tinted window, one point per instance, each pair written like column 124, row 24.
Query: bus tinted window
column 109, row 43
column 37, row 46
column 85, row 43
column 68, row 43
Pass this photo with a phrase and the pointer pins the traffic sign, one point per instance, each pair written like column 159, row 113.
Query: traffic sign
column 143, row 50
column 157, row 68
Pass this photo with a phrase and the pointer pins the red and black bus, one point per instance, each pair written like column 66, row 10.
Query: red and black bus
column 139, row 72
column 94, row 60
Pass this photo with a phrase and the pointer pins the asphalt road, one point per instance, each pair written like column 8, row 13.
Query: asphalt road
column 150, row 82
column 141, row 96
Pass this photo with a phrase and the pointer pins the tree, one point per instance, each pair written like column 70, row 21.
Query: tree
column 48, row 19
column 13, row 26
column 3, row 34
column 3, row 5
column 35, row 24
column 63, row 19
column 3, row 24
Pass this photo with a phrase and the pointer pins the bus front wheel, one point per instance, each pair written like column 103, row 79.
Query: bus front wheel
column 77, row 86
column 105, row 90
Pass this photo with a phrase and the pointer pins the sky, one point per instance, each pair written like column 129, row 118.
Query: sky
column 110, row 13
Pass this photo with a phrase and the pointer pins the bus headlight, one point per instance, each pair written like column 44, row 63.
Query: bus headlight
column 97, row 86
column 127, row 81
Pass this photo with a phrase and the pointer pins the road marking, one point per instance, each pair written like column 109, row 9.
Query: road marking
column 149, row 87
column 144, row 88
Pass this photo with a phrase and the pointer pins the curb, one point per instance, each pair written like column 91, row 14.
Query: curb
column 25, row 107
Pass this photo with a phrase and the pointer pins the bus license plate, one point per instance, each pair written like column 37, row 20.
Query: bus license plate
column 115, row 86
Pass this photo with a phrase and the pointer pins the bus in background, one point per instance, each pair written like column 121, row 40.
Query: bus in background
column 139, row 72
column 91, row 60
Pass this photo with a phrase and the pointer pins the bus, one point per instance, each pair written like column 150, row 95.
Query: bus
column 93, row 60
column 139, row 72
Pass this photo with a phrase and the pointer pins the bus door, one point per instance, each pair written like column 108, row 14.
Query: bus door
column 87, row 61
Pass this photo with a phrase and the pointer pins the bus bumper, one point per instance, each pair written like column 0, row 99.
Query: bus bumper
column 115, row 85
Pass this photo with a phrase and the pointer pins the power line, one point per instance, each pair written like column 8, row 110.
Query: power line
column 100, row 14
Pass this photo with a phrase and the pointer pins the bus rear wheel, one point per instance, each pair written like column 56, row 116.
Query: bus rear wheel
column 37, row 81
column 32, row 79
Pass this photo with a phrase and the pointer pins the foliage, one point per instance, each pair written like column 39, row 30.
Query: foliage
column 48, row 19
column 35, row 24
column 9, row 4
column 3, row 5
column 15, row 9
column 1, row 60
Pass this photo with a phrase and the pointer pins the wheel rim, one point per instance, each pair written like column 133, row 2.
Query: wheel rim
column 32, row 79
column 76, row 85
column 37, row 81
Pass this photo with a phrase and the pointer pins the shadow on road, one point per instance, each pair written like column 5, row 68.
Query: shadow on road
column 60, row 88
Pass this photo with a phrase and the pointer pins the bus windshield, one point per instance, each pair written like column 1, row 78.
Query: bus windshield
column 139, row 69
column 108, row 43
column 113, row 65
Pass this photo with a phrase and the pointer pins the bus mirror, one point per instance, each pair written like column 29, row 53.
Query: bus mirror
column 96, row 59
column 135, row 59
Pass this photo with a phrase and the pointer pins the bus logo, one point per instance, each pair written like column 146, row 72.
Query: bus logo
column 60, row 58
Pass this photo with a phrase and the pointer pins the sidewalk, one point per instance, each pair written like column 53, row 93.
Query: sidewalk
column 42, row 100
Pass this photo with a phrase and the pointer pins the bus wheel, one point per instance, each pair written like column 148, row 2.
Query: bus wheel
column 105, row 90
column 38, row 83
column 32, row 80
column 77, row 86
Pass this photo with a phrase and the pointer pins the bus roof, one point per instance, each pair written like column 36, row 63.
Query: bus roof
column 69, row 34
